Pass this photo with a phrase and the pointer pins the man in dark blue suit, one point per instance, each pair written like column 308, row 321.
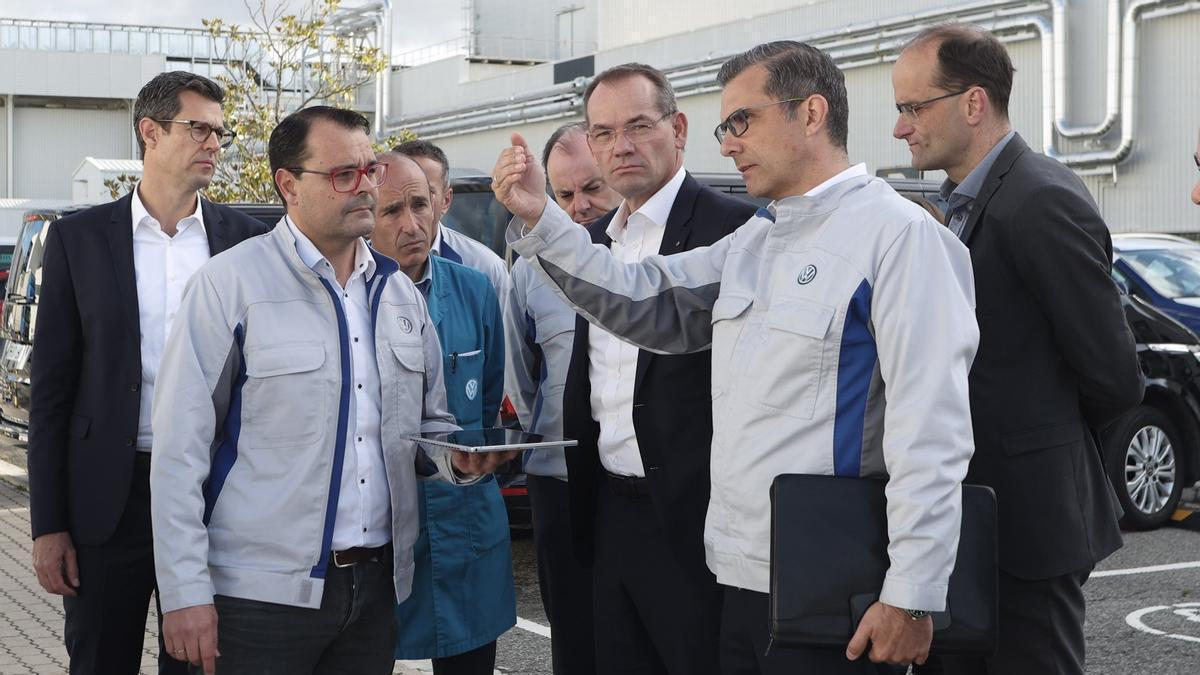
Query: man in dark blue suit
column 639, row 480
column 113, row 277
column 1056, row 359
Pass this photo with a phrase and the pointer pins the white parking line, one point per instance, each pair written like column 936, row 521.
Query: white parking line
column 535, row 628
column 1134, row 619
column 1146, row 570
column 7, row 469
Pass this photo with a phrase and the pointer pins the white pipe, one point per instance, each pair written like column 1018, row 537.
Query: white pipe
column 1112, row 80
column 1129, row 61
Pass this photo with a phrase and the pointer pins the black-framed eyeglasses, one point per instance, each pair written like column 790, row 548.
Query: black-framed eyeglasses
column 913, row 110
column 348, row 180
column 738, row 121
column 603, row 138
column 1196, row 158
column 200, row 131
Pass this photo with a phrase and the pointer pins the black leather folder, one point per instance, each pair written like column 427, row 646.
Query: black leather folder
column 829, row 555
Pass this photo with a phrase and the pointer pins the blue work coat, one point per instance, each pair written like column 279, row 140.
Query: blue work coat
column 462, row 595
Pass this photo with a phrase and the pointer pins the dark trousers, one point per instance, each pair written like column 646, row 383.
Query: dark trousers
column 746, row 647
column 1041, row 630
column 653, row 616
column 352, row 633
column 478, row 661
column 106, row 621
column 565, row 583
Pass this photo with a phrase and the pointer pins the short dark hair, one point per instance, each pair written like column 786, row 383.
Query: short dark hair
column 666, row 95
column 969, row 56
column 159, row 98
column 288, row 146
column 422, row 148
column 555, row 137
column 797, row 70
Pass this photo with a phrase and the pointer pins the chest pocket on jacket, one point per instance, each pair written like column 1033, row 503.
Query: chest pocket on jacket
column 410, row 376
column 784, row 368
column 463, row 371
column 285, row 400
column 726, row 330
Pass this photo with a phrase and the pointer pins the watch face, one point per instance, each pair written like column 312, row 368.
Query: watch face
column 917, row 613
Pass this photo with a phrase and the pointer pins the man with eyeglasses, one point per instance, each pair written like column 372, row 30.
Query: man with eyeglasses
column 638, row 482
column 111, row 286
column 283, row 486
column 841, row 331
column 1056, row 361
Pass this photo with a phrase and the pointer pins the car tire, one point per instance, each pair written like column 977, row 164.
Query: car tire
column 1142, row 453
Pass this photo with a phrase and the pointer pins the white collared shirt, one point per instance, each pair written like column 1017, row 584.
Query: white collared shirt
column 859, row 169
column 162, row 266
column 612, row 361
column 364, row 510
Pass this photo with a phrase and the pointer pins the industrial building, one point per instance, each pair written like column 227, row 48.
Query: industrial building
column 1107, row 86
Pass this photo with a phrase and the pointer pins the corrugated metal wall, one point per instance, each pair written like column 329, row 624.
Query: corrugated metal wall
column 3, row 148
column 1152, row 187
column 49, row 143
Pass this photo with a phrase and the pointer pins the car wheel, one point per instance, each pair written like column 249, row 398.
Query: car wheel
column 1142, row 452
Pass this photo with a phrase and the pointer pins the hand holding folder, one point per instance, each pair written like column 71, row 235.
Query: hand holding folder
column 829, row 543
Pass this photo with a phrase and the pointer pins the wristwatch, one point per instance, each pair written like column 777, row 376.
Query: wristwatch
column 916, row 614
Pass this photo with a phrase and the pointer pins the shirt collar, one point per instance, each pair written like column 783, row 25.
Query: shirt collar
column 969, row 188
column 842, row 176
column 657, row 209
column 140, row 213
column 425, row 283
column 364, row 262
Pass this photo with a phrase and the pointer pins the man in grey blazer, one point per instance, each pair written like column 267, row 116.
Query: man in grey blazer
column 1056, row 358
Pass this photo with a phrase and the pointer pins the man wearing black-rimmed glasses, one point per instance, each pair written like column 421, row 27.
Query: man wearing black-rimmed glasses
column 638, row 483
column 111, row 286
column 1056, row 361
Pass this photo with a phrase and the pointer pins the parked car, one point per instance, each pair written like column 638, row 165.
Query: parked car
column 1163, row 270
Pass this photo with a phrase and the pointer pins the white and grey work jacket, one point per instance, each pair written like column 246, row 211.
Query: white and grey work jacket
column 842, row 329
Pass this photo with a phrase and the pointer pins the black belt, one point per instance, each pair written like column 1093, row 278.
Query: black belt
column 628, row 486
column 358, row 554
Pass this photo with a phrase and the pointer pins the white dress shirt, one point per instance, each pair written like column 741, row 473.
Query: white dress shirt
column 364, row 510
column 612, row 361
column 162, row 265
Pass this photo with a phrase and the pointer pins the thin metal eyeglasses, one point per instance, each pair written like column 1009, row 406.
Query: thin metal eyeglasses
column 738, row 121
column 200, row 131
column 603, row 139
column 348, row 180
column 913, row 110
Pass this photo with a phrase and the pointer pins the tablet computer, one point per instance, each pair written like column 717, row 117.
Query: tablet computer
column 491, row 440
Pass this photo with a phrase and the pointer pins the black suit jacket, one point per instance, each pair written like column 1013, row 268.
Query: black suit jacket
column 86, row 368
column 672, row 403
column 1056, row 361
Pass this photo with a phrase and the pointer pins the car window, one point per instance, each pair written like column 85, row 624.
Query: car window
column 1171, row 273
column 476, row 213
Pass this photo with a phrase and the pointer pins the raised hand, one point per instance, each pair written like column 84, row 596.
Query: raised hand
column 519, row 181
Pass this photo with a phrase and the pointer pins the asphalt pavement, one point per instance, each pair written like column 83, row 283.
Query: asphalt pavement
column 1143, row 602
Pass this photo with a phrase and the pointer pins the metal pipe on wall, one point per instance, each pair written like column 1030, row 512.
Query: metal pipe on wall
column 1112, row 73
column 1129, row 61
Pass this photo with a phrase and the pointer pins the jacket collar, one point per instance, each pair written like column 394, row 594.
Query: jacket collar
column 1004, row 163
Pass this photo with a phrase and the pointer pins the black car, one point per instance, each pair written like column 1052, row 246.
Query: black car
column 1152, row 452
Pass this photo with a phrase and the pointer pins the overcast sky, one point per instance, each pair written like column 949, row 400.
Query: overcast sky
column 415, row 23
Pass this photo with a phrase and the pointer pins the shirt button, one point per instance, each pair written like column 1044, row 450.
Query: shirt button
column 360, row 386
column 356, row 339
column 362, row 481
column 360, row 439
column 364, row 529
